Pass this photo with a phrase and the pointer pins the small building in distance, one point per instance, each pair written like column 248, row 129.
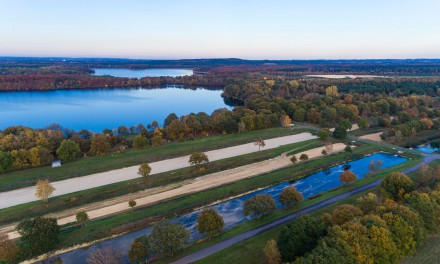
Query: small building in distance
column 56, row 163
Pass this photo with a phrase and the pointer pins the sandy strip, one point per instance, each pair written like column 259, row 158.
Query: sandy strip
column 26, row 195
column 200, row 184
column 373, row 137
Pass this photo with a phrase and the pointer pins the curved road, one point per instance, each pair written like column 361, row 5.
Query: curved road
column 428, row 158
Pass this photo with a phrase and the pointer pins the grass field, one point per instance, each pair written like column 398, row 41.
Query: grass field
column 429, row 253
column 67, row 201
column 24, row 178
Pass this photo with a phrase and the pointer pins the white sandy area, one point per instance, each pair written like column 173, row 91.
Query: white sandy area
column 199, row 184
column 26, row 195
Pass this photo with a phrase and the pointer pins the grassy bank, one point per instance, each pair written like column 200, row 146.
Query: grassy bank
column 24, row 178
column 68, row 201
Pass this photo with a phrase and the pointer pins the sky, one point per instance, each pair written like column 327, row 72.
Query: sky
column 247, row 29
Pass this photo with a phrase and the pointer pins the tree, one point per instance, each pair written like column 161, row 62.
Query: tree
column 285, row 121
column 324, row 134
column 198, row 159
column 44, row 190
column 271, row 252
column 69, row 150
column 340, row 132
column 304, row 157
column 348, row 149
column 39, row 156
column 169, row 119
column 6, row 161
column 167, row 238
column 144, row 170
column 176, row 130
column 210, row 223
column 362, row 123
column 140, row 142
column 375, row 166
column 435, row 144
column 299, row 236
column 259, row 205
column 347, row 177
column 293, row 159
column 342, row 214
column 106, row 255
column 396, row 185
column 122, row 130
column 8, row 250
column 331, row 91
column 100, row 146
column 428, row 209
column 132, row 203
column 290, row 196
column 139, row 250
column 368, row 203
column 260, row 143
column 328, row 148
column 82, row 217
column 38, row 235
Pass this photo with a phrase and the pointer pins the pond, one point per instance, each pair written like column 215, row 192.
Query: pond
column 132, row 73
column 231, row 210
column 96, row 109
column 426, row 149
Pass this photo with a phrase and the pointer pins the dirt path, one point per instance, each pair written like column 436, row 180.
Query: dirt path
column 151, row 196
column 26, row 195
column 373, row 137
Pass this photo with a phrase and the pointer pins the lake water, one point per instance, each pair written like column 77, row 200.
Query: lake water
column 129, row 73
column 231, row 210
column 426, row 149
column 96, row 109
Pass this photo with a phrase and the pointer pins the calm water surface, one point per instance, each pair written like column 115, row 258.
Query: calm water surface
column 231, row 210
column 97, row 109
column 129, row 73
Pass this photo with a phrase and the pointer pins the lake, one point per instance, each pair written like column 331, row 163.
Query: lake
column 132, row 73
column 231, row 210
column 96, row 109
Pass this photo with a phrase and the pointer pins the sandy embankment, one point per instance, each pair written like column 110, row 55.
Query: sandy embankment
column 373, row 137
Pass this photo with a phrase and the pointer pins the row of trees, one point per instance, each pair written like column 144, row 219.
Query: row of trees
column 377, row 229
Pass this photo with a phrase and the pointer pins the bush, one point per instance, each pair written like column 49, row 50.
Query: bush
column 304, row 157
column 82, row 217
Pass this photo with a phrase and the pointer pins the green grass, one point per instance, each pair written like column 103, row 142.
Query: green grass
column 110, row 225
column 24, row 178
column 67, row 201
column 429, row 253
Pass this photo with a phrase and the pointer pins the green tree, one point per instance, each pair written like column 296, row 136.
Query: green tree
column 367, row 203
column 198, row 159
column 167, row 238
column 139, row 250
column 69, row 150
column 299, row 236
column 132, row 203
column 144, row 170
column 324, row 134
column 362, row 123
column 340, row 132
column 82, row 217
column 210, row 223
column 290, row 196
column 428, row 209
column 396, row 185
column 293, row 159
column 6, row 161
column 259, row 205
column 304, row 157
column 38, row 235
column 170, row 118
column 260, row 143
column 140, row 142
column 271, row 252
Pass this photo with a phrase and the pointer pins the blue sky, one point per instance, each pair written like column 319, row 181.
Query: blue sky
column 170, row 29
